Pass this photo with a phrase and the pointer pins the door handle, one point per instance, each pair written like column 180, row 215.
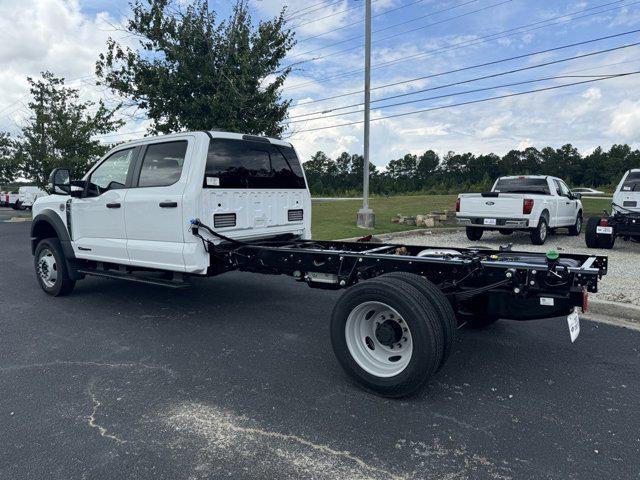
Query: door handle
column 168, row 204
column 113, row 205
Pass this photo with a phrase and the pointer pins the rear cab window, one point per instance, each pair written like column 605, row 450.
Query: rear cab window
column 631, row 182
column 243, row 164
column 162, row 164
column 522, row 185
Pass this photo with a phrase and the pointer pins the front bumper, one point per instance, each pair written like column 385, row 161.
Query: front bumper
column 505, row 223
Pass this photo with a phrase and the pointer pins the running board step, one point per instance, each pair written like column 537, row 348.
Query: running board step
column 134, row 278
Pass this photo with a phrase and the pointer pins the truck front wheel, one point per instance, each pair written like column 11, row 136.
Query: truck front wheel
column 387, row 337
column 474, row 234
column 539, row 234
column 51, row 268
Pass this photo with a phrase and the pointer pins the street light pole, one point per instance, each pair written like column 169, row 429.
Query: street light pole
column 366, row 217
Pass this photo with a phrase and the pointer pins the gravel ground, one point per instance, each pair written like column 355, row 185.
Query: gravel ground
column 619, row 285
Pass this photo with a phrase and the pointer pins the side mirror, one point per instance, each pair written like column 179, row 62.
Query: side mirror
column 576, row 195
column 60, row 181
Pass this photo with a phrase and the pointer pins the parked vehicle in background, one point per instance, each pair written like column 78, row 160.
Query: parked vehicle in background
column 534, row 203
column 584, row 191
column 9, row 199
column 624, row 219
column 27, row 197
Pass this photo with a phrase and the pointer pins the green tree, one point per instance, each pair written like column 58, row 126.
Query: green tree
column 194, row 72
column 61, row 130
column 427, row 165
column 9, row 168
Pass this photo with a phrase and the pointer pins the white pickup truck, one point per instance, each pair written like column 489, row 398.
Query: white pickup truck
column 161, row 210
column 535, row 203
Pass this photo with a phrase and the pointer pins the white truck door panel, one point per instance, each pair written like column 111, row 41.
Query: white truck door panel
column 153, row 209
column 97, row 222
column 98, row 227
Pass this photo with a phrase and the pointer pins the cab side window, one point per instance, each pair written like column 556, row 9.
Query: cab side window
column 557, row 187
column 564, row 190
column 112, row 173
column 162, row 164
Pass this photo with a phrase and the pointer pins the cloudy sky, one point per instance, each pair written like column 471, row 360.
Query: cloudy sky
column 412, row 39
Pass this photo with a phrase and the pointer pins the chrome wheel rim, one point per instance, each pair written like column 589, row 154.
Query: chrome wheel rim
column 47, row 268
column 543, row 231
column 378, row 339
column 578, row 224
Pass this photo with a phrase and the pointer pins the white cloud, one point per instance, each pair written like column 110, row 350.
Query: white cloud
column 37, row 35
column 625, row 121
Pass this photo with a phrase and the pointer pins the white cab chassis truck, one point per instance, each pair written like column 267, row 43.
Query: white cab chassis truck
column 163, row 209
column 624, row 219
column 534, row 203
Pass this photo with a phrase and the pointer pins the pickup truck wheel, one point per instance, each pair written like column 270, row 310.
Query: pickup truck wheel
column 539, row 234
column 386, row 337
column 433, row 295
column 577, row 227
column 51, row 268
column 593, row 239
column 474, row 234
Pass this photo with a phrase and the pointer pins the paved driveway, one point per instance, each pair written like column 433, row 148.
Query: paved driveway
column 235, row 378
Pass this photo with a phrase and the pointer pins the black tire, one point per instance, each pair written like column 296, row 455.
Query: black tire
column 438, row 300
column 575, row 230
column 541, row 232
column 506, row 232
column 474, row 233
column 421, row 319
column 62, row 285
column 593, row 239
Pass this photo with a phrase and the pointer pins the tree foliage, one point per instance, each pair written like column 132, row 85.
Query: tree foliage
column 9, row 168
column 60, row 131
column 454, row 172
column 193, row 72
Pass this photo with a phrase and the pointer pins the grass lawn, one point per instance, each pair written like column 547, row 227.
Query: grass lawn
column 333, row 220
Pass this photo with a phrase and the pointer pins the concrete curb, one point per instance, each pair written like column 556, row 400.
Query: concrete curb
column 614, row 312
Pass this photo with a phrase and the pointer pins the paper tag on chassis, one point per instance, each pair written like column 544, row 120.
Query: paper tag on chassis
column 573, row 320
column 605, row 230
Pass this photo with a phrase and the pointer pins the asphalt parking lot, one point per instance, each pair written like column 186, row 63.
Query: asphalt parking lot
column 235, row 378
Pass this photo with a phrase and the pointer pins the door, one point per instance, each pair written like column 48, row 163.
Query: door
column 568, row 206
column 153, row 208
column 97, row 221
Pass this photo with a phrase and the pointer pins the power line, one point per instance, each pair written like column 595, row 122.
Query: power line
column 484, row 39
column 327, row 4
column 439, row 87
column 439, row 22
column 352, row 24
column 455, row 94
column 470, row 102
column 328, row 16
column 494, row 62
column 386, row 28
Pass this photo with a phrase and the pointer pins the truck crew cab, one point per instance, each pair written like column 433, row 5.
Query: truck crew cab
column 205, row 203
column 534, row 203
column 134, row 207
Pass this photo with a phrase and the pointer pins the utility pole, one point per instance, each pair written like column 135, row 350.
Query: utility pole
column 366, row 217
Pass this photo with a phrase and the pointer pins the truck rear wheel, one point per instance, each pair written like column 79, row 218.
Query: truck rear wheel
column 593, row 239
column 387, row 337
column 439, row 301
column 51, row 268
column 540, row 233
column 474, row 234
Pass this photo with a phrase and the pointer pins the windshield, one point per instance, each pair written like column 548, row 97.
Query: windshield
column 522, row 185
column 248, row 164
column 632, row 182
